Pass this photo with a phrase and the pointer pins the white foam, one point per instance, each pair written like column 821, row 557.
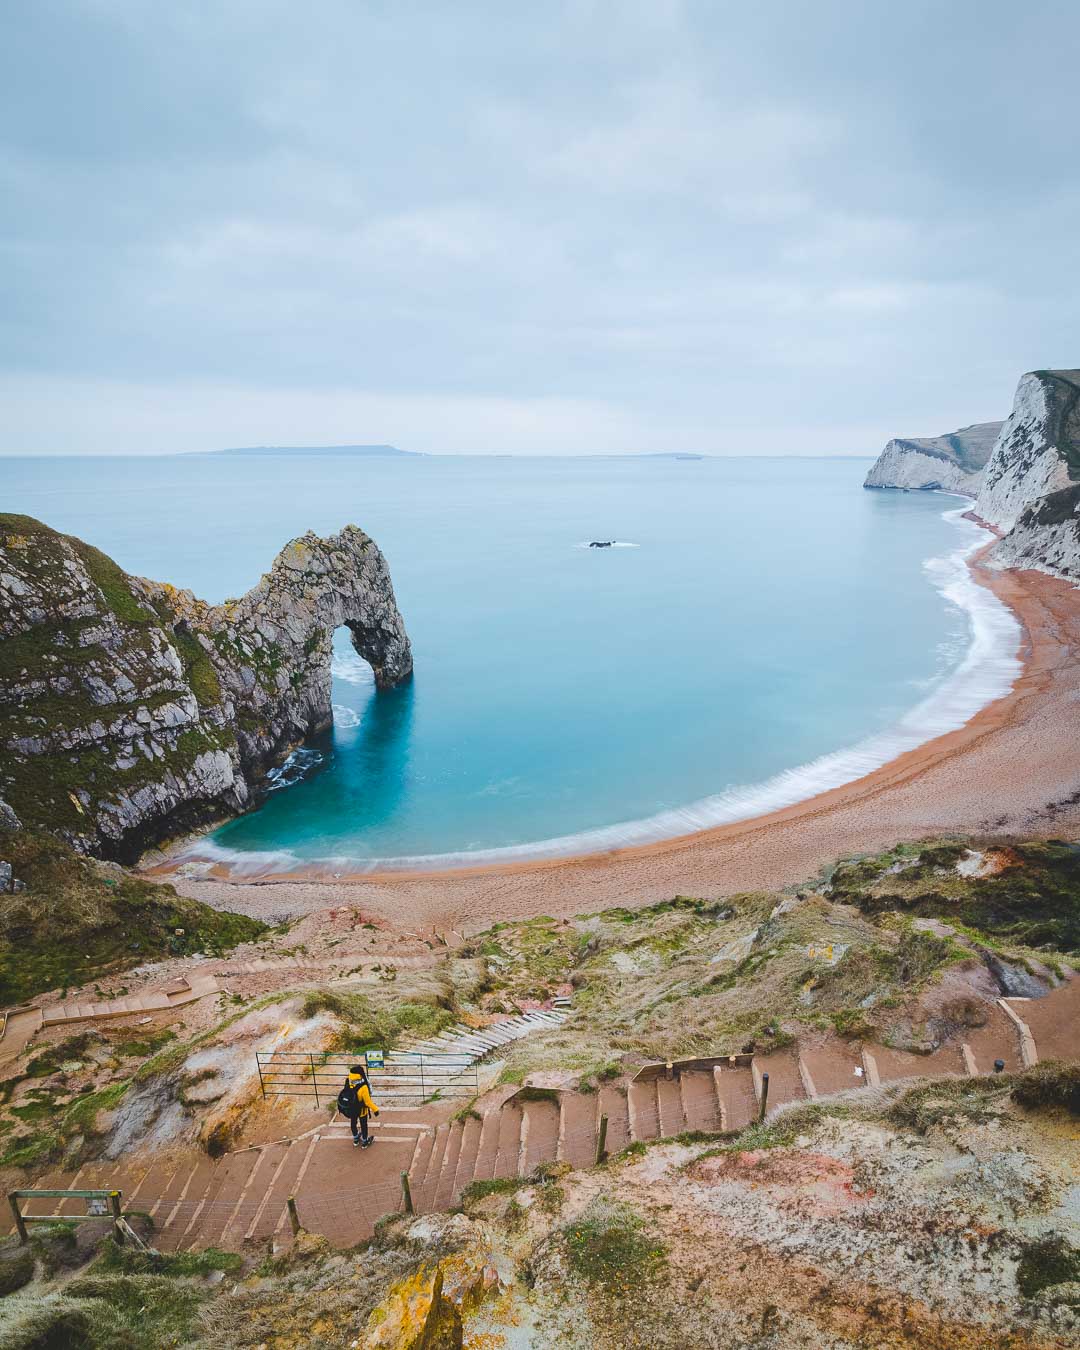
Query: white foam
column 613, row 543
column 987, row 671
column 352, row 668
column 293, row 769
column 345, row 718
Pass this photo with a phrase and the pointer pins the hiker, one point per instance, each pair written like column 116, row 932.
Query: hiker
column 355, row 1104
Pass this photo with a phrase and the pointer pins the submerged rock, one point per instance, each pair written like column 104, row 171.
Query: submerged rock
column 131, row 711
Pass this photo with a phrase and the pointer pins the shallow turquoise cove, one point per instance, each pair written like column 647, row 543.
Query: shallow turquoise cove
column 763, row 614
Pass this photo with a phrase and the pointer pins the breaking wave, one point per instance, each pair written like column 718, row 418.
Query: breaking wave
column 987, row 671
column 294, row 769
column 351, row 668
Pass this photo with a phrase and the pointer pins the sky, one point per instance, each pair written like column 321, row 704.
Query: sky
column 551, row 228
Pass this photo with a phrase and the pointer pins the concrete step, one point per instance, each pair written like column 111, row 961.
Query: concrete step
column 613, row 1104
column 897, row 1064
column 488, row 1150
column 1054, row 1021
column 539, row 1135
column 785, row 1080
column 466, row 1163
column 577, row 1128
column 506, row 1159
column 670, row 1107
column 700, row 1105
column 444, row 1191
column 736, row 1095
column 998, row 1038
column 644, row 1112
column 831, row 1068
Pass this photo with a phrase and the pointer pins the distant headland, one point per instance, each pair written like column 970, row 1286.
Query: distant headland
column 372, row 450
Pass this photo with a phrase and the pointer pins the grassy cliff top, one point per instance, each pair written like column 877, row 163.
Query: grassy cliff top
column 79, row 919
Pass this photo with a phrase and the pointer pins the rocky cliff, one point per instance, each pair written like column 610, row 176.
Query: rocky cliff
column 131, row 711
column 952, row 463
column 1031, row 488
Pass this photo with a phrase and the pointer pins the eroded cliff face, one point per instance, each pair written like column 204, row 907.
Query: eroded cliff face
column 1031, row 488
column 950, row 463
column 131, row 711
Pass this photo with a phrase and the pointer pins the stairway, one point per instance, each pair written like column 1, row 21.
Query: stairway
column 341, row 1192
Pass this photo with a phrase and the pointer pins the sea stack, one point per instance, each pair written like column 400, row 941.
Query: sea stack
column 131, row 711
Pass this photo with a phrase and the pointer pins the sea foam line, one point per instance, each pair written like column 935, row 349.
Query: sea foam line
column 987, row 672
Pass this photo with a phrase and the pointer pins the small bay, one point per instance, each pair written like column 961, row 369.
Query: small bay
column 756, row 616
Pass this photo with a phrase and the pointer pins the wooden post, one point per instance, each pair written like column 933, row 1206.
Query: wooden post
column 114, row 1205
column 764, row 1097
column 406, row 1193
column 669, row 1071
column 20, row 1226
column 601, row 1141
column 294, row 1218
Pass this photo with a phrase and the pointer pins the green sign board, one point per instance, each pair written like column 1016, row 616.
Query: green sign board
column 374, row 1059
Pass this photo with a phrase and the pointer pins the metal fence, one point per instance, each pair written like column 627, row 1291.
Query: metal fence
column 408, row 1080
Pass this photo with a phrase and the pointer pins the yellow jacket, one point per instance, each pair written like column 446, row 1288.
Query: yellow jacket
column 363, row 1095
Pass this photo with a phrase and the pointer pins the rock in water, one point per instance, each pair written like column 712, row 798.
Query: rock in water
column 952, row 463
column 131, row 711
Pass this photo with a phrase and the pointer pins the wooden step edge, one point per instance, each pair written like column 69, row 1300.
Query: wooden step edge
column 1029, row 1054
column 970, row 1067
column 873, row 1077
column 523, row 1141
column 807, row 1081
column 721, row 1109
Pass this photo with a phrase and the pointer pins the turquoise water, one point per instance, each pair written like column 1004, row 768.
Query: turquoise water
column 762, row 616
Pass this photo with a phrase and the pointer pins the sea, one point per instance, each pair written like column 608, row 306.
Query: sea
column 760, row 630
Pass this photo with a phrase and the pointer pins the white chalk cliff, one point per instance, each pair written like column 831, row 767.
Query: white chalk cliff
column 1031, row 484
column 949, row 463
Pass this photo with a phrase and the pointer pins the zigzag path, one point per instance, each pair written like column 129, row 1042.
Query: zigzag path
column 341, row 1192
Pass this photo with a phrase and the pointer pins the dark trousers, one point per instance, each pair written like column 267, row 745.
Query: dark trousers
column 359, row 1126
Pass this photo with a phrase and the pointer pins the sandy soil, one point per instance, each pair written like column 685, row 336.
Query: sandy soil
column 1013, row 769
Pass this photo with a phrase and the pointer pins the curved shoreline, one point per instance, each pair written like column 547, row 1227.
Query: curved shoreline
column 989, row 669
column 1012, row 768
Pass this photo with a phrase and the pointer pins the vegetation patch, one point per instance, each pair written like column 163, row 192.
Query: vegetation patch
column 610, row 1246
column 1033, row 899
column 1047, row 1262
column 368, row 1026
column 109, row 920
column 1049, row 1085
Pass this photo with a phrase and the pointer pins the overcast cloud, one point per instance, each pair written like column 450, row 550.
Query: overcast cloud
column 562, row 227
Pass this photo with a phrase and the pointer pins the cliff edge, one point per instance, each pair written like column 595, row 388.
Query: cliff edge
column 131, row 711
column 1031, row 488
column 949, row 463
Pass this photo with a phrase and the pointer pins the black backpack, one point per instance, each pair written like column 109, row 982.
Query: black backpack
column 348, row 1103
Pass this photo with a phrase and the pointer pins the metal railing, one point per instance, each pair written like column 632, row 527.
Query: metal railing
column 411, row 1078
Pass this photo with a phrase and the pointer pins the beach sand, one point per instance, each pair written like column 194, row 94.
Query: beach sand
column 1014, row 769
